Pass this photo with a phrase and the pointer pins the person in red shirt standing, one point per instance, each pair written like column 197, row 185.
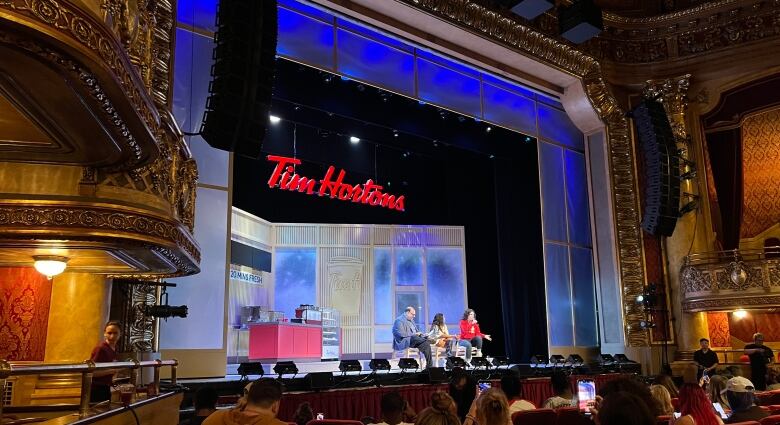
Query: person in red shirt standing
column 103, row 353
column 470, row 335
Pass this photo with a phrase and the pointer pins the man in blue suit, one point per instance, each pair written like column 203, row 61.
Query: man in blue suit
column 405, row 335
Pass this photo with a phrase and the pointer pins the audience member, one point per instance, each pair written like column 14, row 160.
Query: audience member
column 663, row 399
column 622, row 408
column 441, row 412
column 510, row 384
column 695, row 407
column 367, row 420
column 262, row 405
column 760, row 355
column 392, row 408
column 716, row 391
column 562, row 389
column 772, row 380
column 741, row 397
column 490, row 408
column 205, row 404
column 666, row 381
column 463, row 389
column 634, row 387
column 303, row 414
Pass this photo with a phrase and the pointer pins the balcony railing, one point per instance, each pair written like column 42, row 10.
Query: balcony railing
column 729, row 280
column 87, row 371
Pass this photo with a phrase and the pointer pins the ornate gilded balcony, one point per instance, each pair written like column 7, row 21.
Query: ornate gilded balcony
column 730, row 280
column 92, row 164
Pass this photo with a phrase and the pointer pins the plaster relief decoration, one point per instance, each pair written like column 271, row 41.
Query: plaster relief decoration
column 345, row 280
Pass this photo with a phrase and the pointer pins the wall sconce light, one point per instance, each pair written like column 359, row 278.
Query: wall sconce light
column 740, row 314
column 50, row 265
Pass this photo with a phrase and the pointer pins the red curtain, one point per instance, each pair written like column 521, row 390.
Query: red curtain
column 25, row 296
column 357, row 403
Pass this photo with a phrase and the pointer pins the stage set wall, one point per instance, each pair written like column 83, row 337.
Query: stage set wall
column 358, row 253
column 201, row 340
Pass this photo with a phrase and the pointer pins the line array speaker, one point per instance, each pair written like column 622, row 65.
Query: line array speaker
column 236, row 116
column 661, row 168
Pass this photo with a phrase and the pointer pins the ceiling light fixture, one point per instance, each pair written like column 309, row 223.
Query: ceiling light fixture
column 50, row 265
column 354, row 140
column 274, row 119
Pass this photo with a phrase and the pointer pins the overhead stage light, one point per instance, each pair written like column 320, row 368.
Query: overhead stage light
column 581, row 21
column 354, row 140
column 274, row 119
column 50, row 265
column 285, row 368
column 530, row 9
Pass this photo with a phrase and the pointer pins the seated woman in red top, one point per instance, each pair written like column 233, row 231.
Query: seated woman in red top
column 470, row 335
column 103, row 353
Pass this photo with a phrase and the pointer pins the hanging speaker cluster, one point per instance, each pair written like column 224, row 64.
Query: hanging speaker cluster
column 661, row 167
column 236, row 116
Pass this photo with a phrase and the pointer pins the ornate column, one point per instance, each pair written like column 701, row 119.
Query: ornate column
column 79, row 309
column 673, row 93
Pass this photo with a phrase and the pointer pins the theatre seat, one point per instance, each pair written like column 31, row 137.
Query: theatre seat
column 571, row 416
column 746, row 423
column 771, row 420
column 535, row 417
column 334, row 422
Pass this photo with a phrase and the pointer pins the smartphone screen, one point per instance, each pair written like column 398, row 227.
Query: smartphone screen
column 586, row 394
column 720, row 410
column 483, row 385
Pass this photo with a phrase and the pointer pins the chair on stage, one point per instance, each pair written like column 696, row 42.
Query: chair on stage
column 333, row 422
column 571, row 416
column 439, row 355
column 535, row 417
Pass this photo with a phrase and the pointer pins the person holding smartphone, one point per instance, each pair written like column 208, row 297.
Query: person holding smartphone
column 489, row 408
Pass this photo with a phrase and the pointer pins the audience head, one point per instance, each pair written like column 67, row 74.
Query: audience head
column 662, row 398
column 705, row 343
column 303, row 413
column 666, row 381
column 739, row 393
column 624, row 408
column 492, row 408
column 716, row 389
column 510, row 384
column 632, row 386
column 758, row 338
column 733, row 371
column 206, row 398
column 441, row 412
column 392, row 407
column 694, row 402
column 265, row 393
column 560, row 383
column 463, row 389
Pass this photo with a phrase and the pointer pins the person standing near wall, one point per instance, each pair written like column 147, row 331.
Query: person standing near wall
column 760, row 355
column 104, row 352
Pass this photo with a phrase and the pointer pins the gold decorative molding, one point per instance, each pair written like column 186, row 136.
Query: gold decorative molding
column 509, row 32
column 673, row 94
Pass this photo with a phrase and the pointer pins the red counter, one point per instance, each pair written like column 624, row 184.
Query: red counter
column 279, row 341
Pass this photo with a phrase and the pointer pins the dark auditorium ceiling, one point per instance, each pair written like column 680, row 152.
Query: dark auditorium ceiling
column 626, row 8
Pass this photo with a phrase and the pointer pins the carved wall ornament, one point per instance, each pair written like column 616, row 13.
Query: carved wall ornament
column 505, row 30
column 673, row 94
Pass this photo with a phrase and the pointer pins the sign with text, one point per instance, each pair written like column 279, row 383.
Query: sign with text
column 332, row 185
column 345, row 281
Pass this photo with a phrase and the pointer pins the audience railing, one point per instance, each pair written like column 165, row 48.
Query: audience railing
column 730, row 280
column 87, row 371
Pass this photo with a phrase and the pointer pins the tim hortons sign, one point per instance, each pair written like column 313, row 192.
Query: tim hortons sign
column 332, row 185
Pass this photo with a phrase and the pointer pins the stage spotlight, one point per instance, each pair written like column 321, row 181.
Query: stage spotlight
column 580, row 21
column 165, row 311
column 500, row 361
column 354, row 140
column 407, row 363
column 453, row 362
column 538, row 361
column 575, row 360
column 557, row 359
column 646, row 324
column 250, row 368
column 379, row 364
column 606, row 359
column 640, row 299
column 489, row 129
column 285, row 368
column 530, row 9
column 478, row 362
column 350, row 366
column 621, row 358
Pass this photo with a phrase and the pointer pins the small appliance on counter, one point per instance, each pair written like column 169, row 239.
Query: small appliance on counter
column 309, row 314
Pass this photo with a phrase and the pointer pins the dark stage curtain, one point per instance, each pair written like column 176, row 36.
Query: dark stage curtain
column 520, row 258
column 725, row 152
